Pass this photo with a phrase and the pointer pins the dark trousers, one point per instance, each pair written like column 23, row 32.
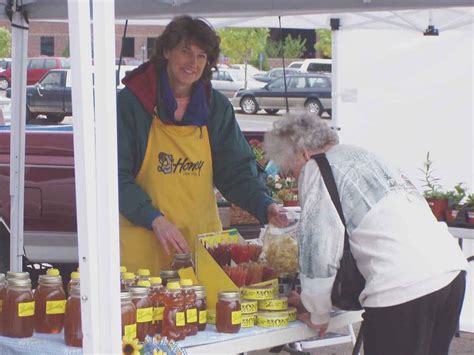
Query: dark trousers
column 423, row 326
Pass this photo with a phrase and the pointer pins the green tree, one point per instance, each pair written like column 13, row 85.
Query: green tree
column 323, row 43
column 292, row 47
column 5, row 42
column 243, row 44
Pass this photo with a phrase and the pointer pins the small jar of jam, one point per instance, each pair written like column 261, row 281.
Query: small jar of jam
column 167, row 275
column 19, row 308
column 50, row 304
column 228, row 313
column 3, row 291
column 129, row 315
column 72, row 318
column 201, row 306
column 190, row 309
column 127, row 281
column 157, row 296
column 174, row 318
column 144, row 311
column 143, row 274
column 181, row 261
column 74, row 281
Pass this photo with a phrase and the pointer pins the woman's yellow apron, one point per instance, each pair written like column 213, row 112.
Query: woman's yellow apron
column 176, row 173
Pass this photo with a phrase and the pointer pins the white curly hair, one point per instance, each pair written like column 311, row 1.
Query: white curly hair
column 296, row 133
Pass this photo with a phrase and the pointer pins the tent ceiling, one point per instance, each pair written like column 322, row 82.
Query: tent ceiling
column 141, row 9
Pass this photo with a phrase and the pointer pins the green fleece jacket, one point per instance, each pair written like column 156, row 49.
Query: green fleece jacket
column 234, row 164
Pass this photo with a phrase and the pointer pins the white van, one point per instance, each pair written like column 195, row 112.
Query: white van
column 316, row 65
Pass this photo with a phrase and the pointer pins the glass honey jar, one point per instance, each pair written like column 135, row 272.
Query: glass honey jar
column 72, row 318
column 3, row 291
column 19, row 308
column 50, row 304
column 144, row 311
column 201, row 306
column 174, row 318
column 157, row 295
column 143, row 274
column 167, row 275
column 181, row 261
column 190, row 309
column 129, row 315
column 74, row 281
column 228, row 312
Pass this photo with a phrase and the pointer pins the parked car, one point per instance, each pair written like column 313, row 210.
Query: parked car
column 295, row 65
column 51, row 96
column 316, row 65
column 310, row 91
column 229, row 81
column 251, row 70
column 36, row 68
column 274, row 74
column 5, row 63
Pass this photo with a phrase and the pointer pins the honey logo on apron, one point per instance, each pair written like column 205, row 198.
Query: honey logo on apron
column 184, row 166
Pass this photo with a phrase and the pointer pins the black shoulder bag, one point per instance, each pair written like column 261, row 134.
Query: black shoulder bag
column 349, row 281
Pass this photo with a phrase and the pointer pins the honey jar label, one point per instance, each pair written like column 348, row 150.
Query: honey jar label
column 191, row 315
column 236, row 317
column 248, row 320
column 130, row 330
column 277, row 304
column 257, row 293
column 292, row 314
column 158, row 313
column 56, row 307
column 144, row 315
column 180, row 319
column 202, row 317
column 272, row 321
column 248, row 307
column 26, row 309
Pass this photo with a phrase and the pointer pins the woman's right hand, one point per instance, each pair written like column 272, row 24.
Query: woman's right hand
column 169, row 236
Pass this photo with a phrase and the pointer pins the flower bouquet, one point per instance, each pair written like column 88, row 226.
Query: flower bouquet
column 283, row 189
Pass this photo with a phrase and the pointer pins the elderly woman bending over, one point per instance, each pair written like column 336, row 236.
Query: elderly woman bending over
column 413, row 268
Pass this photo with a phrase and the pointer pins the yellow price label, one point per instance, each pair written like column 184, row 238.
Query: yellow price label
column 191, row 315
column 26, row 309
column 180, row 322
column 144, row 315
column 158, row 313
column 56, row 307
column 236, row 317
column 130, row 330
column 202, row 317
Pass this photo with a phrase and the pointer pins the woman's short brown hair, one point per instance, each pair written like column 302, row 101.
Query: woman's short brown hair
column 192, row 30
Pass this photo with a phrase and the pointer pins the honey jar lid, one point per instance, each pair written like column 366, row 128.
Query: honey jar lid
column 155, row 280
column 125, row 296
column 75, row 275
column 2, row 278
column 184, row 256
column 128, row 276
column 49, row 280
column 167, row 274
column 19, row 283
column 123, row 269
column 138, row 291
column 143, row 272
column 52, row 272
column 229, row 296
column 18, row 275
column 143, row 283
column 186, row 282
column 200, row 294
column 199, row 288
column 173, row 286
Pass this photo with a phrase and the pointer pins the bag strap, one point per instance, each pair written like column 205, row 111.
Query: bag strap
column 328, row 178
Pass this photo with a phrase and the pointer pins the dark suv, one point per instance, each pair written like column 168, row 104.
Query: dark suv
column 36, row 68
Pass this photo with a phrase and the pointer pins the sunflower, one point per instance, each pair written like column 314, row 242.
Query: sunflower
column 130, row 346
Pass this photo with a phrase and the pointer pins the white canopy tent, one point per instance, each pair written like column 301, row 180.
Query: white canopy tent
column 95, row 125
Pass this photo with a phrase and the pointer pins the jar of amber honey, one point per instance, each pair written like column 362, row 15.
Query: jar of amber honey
column 228, row 312
column 3, row 290
column 144, row 311
column 75, row 281
column 190, row 309
column 174, row 318
column 157, row 295
column 72, row 318
column 181, row 261
column 127, row 281
column 201, row 306
column 167, row 275
column 129, row 315
column 50, row 304
column 143, row 274
column 19, row 308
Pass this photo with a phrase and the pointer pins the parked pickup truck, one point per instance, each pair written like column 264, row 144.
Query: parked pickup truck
column 50, row 200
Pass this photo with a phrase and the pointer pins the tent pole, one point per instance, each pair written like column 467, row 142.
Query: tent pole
column 335, row 24
column 85, row 172
column 17, row 142
column 106, row 176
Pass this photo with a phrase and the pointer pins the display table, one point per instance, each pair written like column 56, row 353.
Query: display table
column 206, row 342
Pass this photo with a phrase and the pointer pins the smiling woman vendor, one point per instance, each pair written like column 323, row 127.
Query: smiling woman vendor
column 177, row 138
